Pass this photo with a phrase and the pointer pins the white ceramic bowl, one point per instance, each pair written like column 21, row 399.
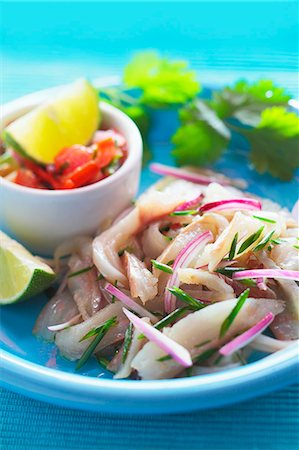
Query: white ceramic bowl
column 42, row 219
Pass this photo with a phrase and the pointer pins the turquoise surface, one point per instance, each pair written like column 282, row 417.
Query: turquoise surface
column 224, row 41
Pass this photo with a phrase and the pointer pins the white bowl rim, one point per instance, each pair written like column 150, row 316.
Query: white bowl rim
column 134, row 152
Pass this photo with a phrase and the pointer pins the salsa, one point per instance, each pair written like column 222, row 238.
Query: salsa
column 73, row 167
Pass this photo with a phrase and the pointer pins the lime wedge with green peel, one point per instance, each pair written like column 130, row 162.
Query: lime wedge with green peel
column 69, row 118
column 22, row 275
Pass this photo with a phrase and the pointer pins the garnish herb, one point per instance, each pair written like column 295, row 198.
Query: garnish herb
column 79, row 272
column 103, row 361
column 100, row 277
column 228, row 271
column 231, row 317
column 165, row 228
column 203, row 343
column 113, row 296
column 276, row 241
column 264, row 241
column 170, row 262
column 160, row 266
column 126, row 249
column 100, row 333
column 164, row 358
column 182, row 295
column 248, row 282
column 241, row 358
column 127, row 342
column 153, row 82
column 205, row 355
column 187, row 212
column 168, row 319
column 264, row 219
column 233, row 247
column 296, row 246
column 168, row 238
column 250, row 240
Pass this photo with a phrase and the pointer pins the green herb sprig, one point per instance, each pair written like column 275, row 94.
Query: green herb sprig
column 99, row 333
column 233, row 314
column 186, row 298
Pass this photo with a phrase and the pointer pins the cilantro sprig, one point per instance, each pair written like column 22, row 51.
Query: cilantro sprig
column 258, row 112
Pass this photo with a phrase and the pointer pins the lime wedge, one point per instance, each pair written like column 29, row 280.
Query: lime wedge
column 22, row 275
column 69, row 118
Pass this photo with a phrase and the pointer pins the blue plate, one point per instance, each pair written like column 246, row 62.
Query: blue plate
column 34, row 368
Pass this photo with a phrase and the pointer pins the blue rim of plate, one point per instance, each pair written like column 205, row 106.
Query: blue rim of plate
column 199, row 392
column 270, row 373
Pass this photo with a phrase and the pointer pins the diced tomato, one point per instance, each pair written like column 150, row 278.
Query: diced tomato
column 104, row 152
column 81, row 176
column 43, row 174
column 26, row 177
column 69, row 158
column 102, row 135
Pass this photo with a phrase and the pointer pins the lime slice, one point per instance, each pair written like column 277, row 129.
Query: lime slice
column 22, row 275
column 69, row 118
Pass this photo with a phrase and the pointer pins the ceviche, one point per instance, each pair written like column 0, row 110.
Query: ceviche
column 191, row 279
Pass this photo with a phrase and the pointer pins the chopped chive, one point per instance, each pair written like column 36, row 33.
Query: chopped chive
column 203, row 343
column 276, row 241
column 170, row 262
column 103, row 361
column 164, row 358
column 113, row 296
column 229, row 270
column 189, row 371
column 181, row 295
column 127, row 342
column 233, row 247
column 248, row 282
column 168, row 319
column 205, row 355
column 233, row 314
column 296, row 246
column 133, row 201
column 250, row 240
column 269, row 248
column 241, row 358
column 74, row 274
column 160, row 266
column 102, row 330
column 264, row 219
column 218, row 359
column 187, row 212
column 264, row 241
column 168, row 238
column 100, row 277
column 165, row 228
column 126, row 249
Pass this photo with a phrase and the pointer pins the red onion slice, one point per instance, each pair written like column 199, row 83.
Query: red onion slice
column 182, row 260
column 183, row 174
column 129, row 302
column 267, row 273
column 190, row 204
column 245, row 338
column 61, row 326
column 169, row 346
column 233, row 203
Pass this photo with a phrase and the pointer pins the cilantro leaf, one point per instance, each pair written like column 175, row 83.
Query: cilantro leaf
column 275, row 143
column 202, row 137
column 245, row 101
column 162, row 81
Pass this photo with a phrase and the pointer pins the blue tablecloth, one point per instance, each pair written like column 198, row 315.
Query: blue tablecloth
column 48, row 44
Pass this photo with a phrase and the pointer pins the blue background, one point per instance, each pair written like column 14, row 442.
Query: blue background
column 45, row 44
